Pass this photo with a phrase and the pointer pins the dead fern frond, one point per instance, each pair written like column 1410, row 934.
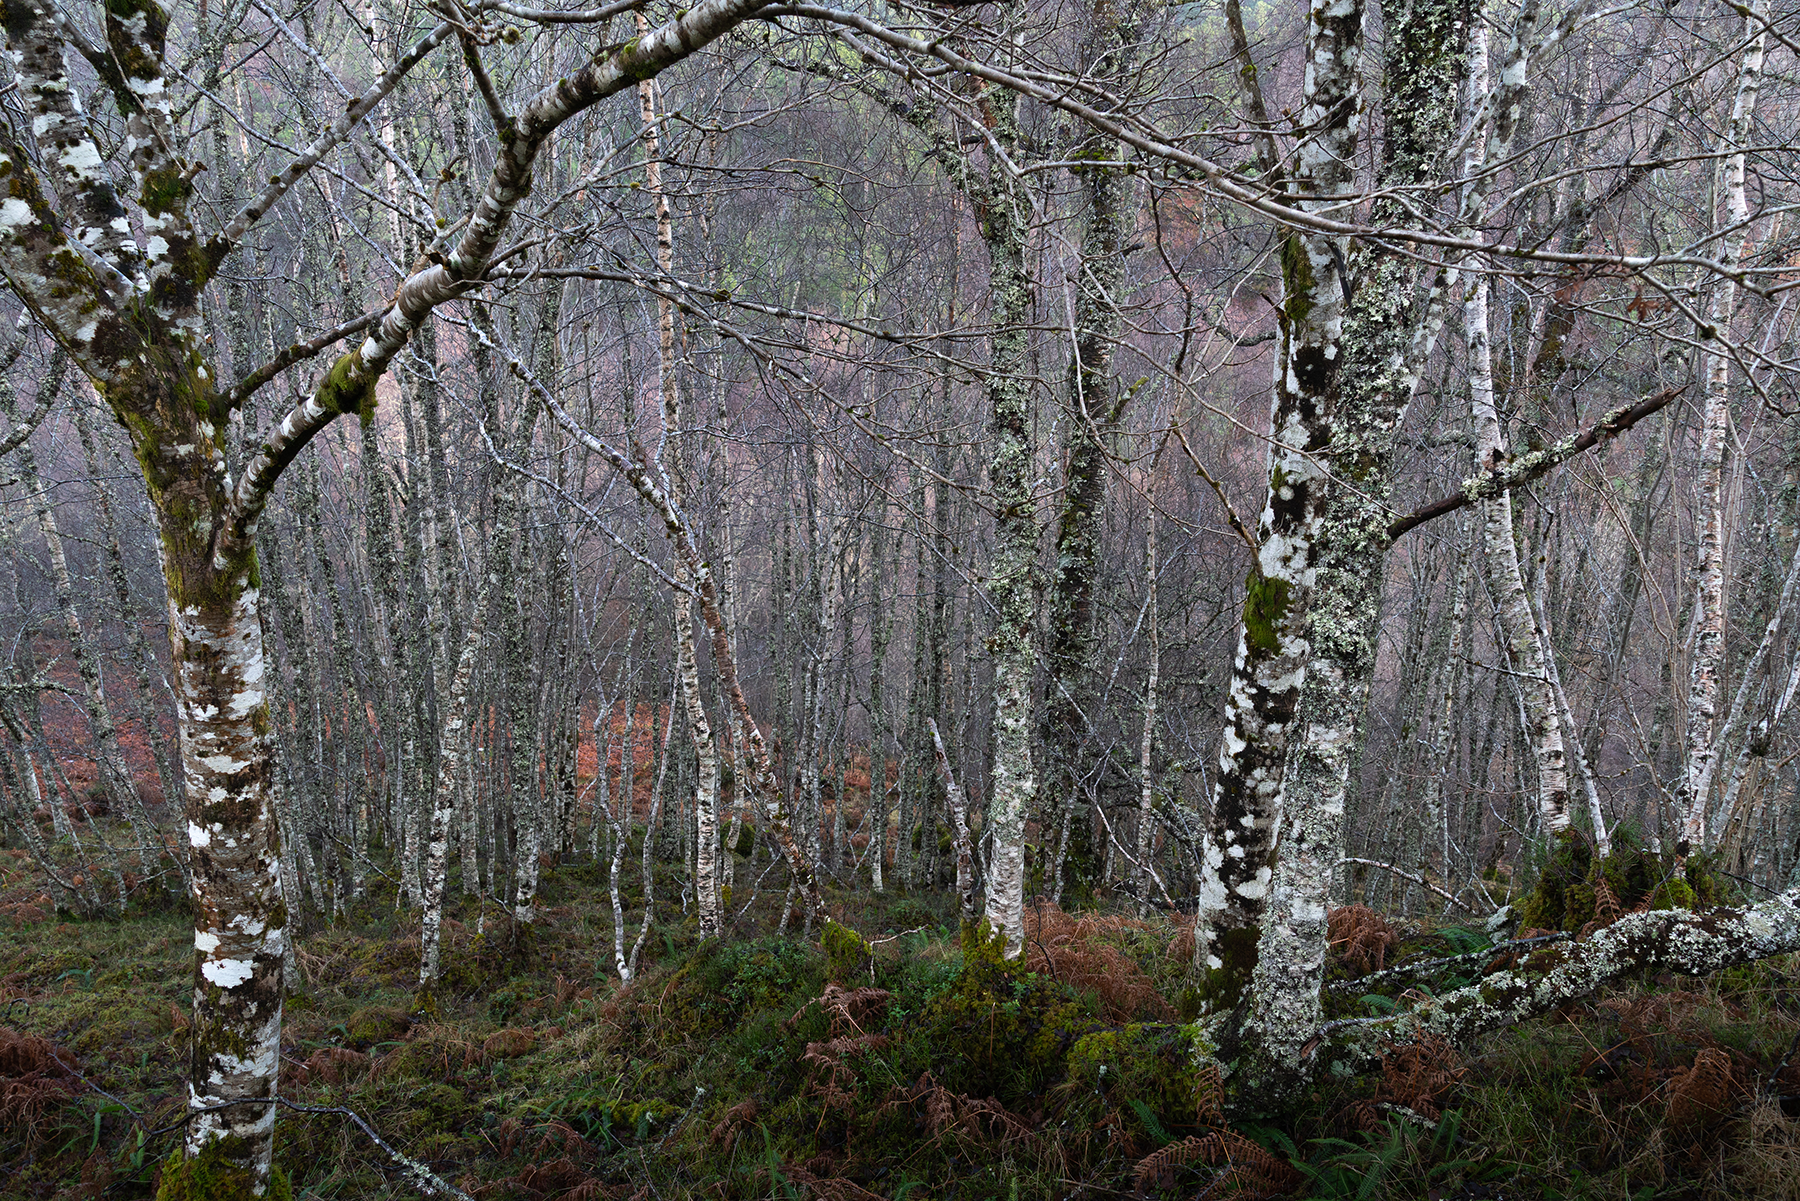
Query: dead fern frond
column 738, row 1116
column 1249, row 1170
column 1607, row 908
column 560, row 1138
column 834, row 1084
column 827, row 1188
column 336, row 1065
column 1209, row 1096
column 1660, row 1015
column 1701, row 1097
column 1419, row 1075
column 847, row 1009
column 1076, row 951
column 1156, row 1167
column 556, row 1178
column 944, row 1112
column 1360, row 939
column 33, row 1079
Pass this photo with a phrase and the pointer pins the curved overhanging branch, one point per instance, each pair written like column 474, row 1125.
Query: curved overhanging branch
column 349, row 386
column 552, row 16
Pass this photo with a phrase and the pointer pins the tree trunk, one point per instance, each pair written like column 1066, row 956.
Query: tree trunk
column 1356, row 399
column 1010, row 474
column 1694, row 792
column 1273, row 645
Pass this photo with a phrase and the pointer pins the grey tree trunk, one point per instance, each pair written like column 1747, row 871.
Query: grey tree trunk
column 1011, row 596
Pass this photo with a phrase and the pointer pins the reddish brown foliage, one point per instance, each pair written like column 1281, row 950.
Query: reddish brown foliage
column 1075, row 951
column 1421, row 1075
column 508, row 1044
column 819, row 1176
column 847, row 1010
column 1245, row 1169
column 1361, row 939
column 34, row 1078
column 335, row 1065
column 737, row 1117
column 943, row 1112
column 1702, row 1096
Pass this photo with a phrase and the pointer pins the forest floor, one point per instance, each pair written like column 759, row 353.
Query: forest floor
column 905, row 1067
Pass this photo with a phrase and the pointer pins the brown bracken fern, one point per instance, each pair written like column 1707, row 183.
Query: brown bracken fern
column 1078, row 952
column 1246, row 1169
column 1361, row 939
column 1701, row 1096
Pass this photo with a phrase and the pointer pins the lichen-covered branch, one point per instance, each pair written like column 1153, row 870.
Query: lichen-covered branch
column 1519, row 470
column 1638, row 944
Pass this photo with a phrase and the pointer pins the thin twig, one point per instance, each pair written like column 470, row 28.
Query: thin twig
column 1231, row 514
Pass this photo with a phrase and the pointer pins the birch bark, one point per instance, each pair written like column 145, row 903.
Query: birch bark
column 130, row 315
column 673, row 442
column 1273, row 643
column 1694, row 792
column 1363, row 373
column 1506, row 581
column 1011, row 595
column 959, row 827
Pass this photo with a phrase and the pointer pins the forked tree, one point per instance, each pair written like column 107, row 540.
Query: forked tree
column 113, row 257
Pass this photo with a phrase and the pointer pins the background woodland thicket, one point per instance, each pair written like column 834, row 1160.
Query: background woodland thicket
column 910, row 357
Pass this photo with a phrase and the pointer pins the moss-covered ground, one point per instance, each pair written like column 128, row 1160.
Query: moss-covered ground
column 916, row 1066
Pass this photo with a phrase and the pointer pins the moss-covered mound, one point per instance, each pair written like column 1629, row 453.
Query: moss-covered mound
column 1573, row 889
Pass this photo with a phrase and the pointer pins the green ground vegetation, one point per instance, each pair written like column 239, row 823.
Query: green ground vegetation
column 902, row 1059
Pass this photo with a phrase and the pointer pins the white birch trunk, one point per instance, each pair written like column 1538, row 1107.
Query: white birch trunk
column 1010, row 592
column 965, row 856
column 1694, row 793
column 647, row 864
column 453, row 743
column 1506, row 583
